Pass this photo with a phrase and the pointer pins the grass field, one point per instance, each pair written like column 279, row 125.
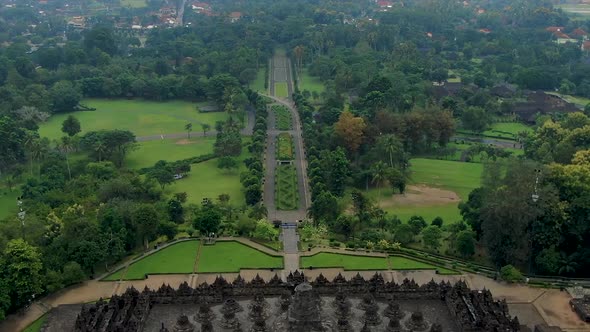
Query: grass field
column 507, row 129
column 205, row 180
column 285, row 147
column 310, row 83
column 233, row 256
column 150, row 152
column 404, row 263
column 178, row 258
column 141, row 117
column 347, row 262
column 458, row 177
column 36, row 325
column 258, row 84
column 575, row 9
column 287, row 193
column 283, row 119
column 8, row 201
column 281, row 90
column 134, row 3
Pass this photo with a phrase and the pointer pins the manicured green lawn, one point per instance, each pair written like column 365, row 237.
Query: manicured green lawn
column 511, row 127
column 347, row 262
column 134, row 3
column 310, row 83
column 178, row 258
column 36, row 325
column 258, row 84
column 459, row 177
column 205, row 180
column 141, row 117
column 281, row 90
column 287, row 193
column 232, row 256
column 283, row 118
column 8, row 202
column 285, row 147
column 149, row 152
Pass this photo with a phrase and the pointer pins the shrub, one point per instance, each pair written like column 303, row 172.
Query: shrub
column 510, row 274
column 438, row 221
column 73, row 274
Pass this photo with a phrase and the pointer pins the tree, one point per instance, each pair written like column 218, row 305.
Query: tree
column 71, row 126
column 227, row 163
column 324, row 207
column 404, row 234
column 207, row 219
column 188, row 127
column 379, row 171
column 265, row 231
column 548, row 261
column 175, row 211
column 510, row 274
column 438, row 221
column 21, row 266
column 465, row 243
column 146, row 220
column 417, row 223
column 66, row 146
column 253, row 194
column 431, row 237
column 470, row 210
column 163, row 173
column 72, row 274
column 475, row 118
column 396, row 179
column 65, row 96
column 206, row 127
column 350, row 130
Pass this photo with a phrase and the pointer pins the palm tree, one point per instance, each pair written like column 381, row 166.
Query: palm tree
column 379, row 171
column 100, row 148
column 206, row 127
column 29, row 143
column 298, row 51
column 392, row 146
column 66, row 146
column 188, row 127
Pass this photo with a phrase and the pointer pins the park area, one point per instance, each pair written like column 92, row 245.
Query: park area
column 283, row 119
column 285, row 147
column 282, row 90
column 359, row 263
column 286, row 191
column 134, row 3
column 143, row 118
column 184, row 257
column 310, row 83
column 150, row 152
column 8, row 201
column 435, row 190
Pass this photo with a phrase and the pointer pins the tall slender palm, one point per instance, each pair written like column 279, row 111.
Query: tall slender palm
column 188, row 127
column 100, row 148
column 66, row 146
column 379, row 171
column 206, row 127
column 298, row 51
column 392, row 146
column 29, row 143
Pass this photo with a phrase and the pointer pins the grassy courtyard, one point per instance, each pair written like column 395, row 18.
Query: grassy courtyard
column 178, row 258
column 347, row 262
column 310, row 83
column 287, row 193
column 8, row 201
column 205, row 180
column 285, row 147
column 141, row 117
column 233, row 256
column 149, row 152
column 282, row 90
column 455, row 177
column 36, row 325
column 134, row 3
column 259, row 82
column 283, row 119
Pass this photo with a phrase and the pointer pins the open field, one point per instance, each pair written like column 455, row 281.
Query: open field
column 505, row 128
column 134, row 3
column 310, row 83
column 347, row 262
column 438, row 187
column 139, row 116
column 575, row 9
column 205, row 180
column 283, row 119
column 404, row 263
column 287, row 193
column 178, row 258
column 258, row 83
column 282, row 90
column 232, row 256
column 150, row 152
column 8, row 201
column 285, row 147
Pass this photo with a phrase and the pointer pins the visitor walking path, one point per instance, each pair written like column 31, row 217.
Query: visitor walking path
column 280, row 72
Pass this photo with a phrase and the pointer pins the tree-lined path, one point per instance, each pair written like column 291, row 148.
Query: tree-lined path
column 280, row 73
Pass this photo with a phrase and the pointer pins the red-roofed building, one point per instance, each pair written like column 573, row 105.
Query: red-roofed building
column 561, row 35
column 554, row 29
column 579, row 33
column 235, row 16
column 586, row 46
column 385, row 4
column 485, row 31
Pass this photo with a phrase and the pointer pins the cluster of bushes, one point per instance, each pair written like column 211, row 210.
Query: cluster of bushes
column 252, row 179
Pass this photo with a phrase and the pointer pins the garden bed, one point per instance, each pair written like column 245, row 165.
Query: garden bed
column 285, row 147
column 286, row 191
column 283, row 119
